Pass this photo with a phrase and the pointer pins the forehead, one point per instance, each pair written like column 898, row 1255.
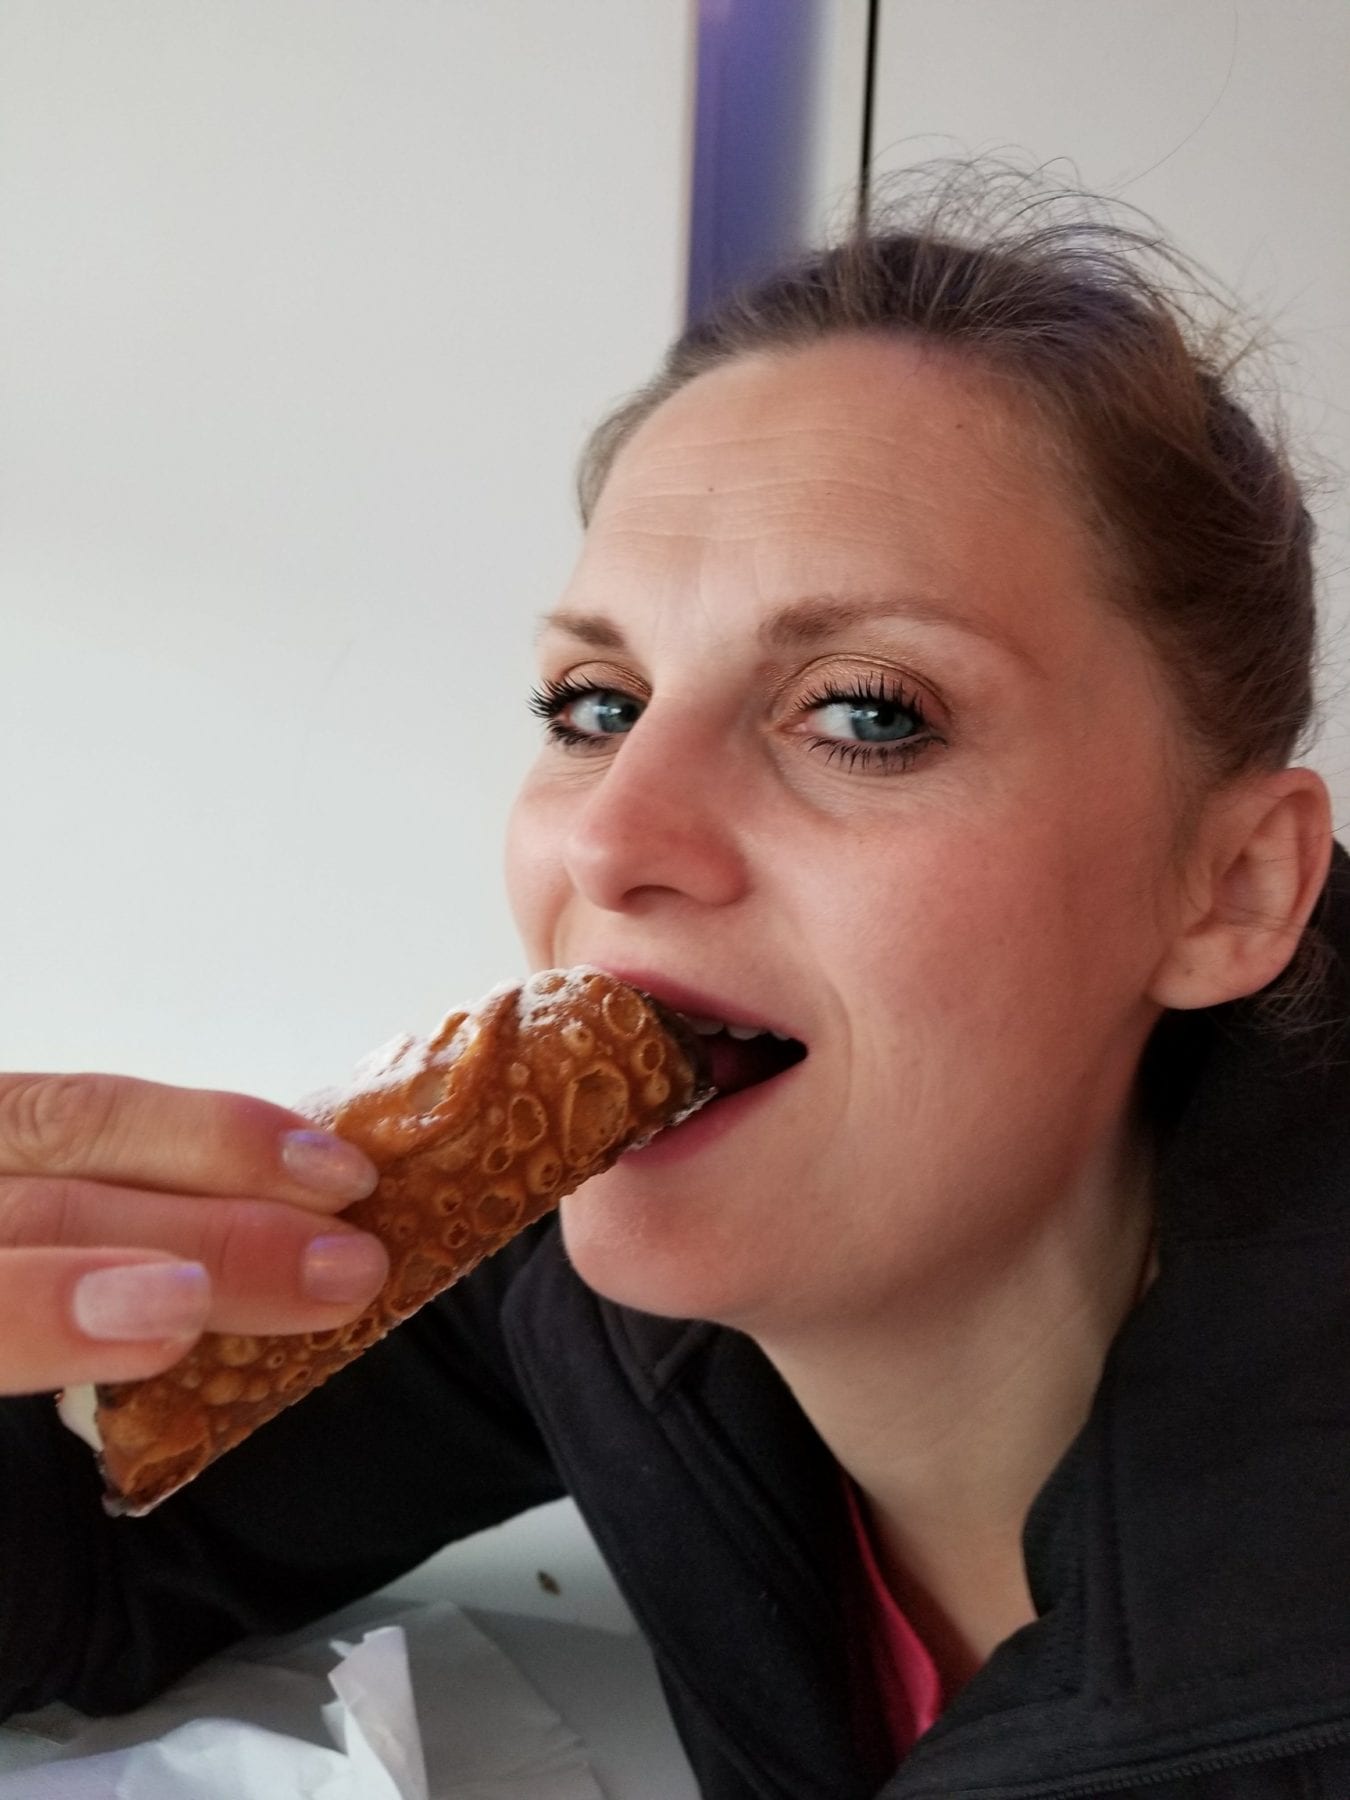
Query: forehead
column 863, row 460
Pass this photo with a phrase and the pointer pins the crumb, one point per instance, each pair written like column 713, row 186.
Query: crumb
column 547, row 1582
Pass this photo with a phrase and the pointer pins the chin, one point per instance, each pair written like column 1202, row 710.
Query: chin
column 694, row 1225
column 647, row 1258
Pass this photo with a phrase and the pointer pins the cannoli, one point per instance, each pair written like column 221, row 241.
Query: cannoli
column 477, row 1132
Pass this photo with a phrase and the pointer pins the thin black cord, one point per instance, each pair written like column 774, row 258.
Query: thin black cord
column 869, row 91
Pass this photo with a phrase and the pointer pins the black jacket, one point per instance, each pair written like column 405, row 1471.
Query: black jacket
column 1189, row 1558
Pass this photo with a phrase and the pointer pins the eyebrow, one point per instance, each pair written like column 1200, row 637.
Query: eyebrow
column 812, row 621
column 588, row 628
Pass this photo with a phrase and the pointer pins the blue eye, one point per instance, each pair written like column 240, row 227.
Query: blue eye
column 605, row 712
column 870, row 721
column 874, row 724
column 577, row 714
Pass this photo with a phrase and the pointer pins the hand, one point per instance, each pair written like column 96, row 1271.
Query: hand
column 135, row 1216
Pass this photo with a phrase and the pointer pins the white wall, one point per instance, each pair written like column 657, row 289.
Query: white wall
column 1229, row 122
column 305, row 306
column 835, row 115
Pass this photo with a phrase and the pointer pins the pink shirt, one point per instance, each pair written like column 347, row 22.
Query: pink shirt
column 911, row 1688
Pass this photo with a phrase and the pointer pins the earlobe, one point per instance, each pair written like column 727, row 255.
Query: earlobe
column 1259, row 862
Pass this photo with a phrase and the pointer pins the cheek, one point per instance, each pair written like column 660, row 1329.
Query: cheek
column 993, row 944
column 534, row 876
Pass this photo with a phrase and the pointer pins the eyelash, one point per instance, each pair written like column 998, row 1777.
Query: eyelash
column 875, row 690
column 552, row 699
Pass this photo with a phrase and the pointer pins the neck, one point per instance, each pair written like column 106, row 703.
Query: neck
column 949, row 1418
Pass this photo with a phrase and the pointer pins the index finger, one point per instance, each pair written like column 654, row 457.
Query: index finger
column 185, row 1140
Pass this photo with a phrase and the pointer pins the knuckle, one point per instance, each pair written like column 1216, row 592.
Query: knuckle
column 244, row 1129
column 30, row 1211
column 248, row 1245
column 50, row 1122
column 244, row 1116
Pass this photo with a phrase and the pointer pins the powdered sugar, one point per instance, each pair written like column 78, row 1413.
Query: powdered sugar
column 396, row 1063
column 392, row 1065
column 552, row 990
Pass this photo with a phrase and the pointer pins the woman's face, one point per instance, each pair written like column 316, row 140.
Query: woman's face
column 855, row 750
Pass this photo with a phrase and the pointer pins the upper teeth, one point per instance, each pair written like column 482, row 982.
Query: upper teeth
column 710, row 1028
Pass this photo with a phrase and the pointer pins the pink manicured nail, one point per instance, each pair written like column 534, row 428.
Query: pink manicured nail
column 328, row 1164
column 142, row 1300
column 346, row 1266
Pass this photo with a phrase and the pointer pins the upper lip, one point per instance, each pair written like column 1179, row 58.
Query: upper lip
column 696, row 1003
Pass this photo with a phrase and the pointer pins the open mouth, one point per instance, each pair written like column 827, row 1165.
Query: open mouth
column 741, row 1056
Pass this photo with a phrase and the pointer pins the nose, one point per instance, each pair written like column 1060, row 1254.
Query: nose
column 662, row 819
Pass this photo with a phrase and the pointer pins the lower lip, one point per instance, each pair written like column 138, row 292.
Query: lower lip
column 707, row 1126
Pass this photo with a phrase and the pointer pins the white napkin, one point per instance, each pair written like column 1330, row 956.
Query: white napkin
column 229, row 1733
column 374, row 1719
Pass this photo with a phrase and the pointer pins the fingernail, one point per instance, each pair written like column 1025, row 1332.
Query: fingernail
column 329, row 1164
column 142, row 1300
column 349, row 1265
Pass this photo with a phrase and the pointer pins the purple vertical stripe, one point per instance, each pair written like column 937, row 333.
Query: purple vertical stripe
column 752, row 140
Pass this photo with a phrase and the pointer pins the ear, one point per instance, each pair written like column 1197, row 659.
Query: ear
column 1253, row 873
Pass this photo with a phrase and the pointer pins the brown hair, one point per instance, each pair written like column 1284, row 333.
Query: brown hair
column 1128, row 354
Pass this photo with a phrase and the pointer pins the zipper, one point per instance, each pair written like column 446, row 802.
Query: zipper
column 1272, row 1749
